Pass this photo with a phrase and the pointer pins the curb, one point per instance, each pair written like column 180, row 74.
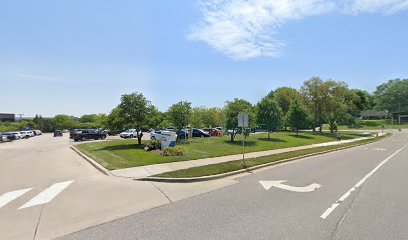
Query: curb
column 223, row 175
column 92, row 162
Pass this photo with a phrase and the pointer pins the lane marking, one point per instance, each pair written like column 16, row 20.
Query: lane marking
column 47, row 195
column 11, row 196
column 268, row 184
column 358, row 184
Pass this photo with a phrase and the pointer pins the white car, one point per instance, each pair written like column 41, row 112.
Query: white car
column 17, row 134
column 37, row 132
column 26, row 134
column 130, row 133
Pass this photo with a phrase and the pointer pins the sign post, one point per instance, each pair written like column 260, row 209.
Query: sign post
column 243, row 122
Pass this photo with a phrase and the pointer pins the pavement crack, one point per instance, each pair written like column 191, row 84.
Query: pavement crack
column 343, row 218
column 38, row 222
column 162, row 192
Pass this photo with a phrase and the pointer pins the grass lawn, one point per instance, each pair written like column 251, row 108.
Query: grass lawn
column 119, row 154
column 230, row 166
column 370, row 124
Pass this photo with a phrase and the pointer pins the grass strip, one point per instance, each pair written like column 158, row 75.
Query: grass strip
column 235, row 165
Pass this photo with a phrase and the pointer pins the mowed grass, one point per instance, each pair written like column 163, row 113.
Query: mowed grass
column 219, row 168
column 119, row 154
column 371, row 125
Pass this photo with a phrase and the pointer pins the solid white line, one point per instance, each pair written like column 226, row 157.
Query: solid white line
column 47, row 195
column 358, row 184
column 10, row 196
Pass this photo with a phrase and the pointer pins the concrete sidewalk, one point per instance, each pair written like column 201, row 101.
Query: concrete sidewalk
column 150, row 170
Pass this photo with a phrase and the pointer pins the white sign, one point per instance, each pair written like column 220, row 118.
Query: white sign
column 243, row 120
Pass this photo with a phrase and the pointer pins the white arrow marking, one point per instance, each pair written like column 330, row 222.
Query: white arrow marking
column 47, row 195
column 10, row 196
column 268, row 184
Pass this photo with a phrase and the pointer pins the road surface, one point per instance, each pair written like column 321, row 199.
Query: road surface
column 358, row 193
column 47, row 190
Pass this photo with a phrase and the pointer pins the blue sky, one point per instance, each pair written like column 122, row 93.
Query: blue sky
column 78, row 57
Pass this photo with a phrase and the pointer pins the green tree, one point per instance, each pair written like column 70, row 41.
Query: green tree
column 114, row 122
column 136, row 110
column 392, row 96
column 284, row 96
column 63, row 122
column 179, row 114
column 197, row 117
column 298, row 117
column 232, row 109
column 269, row 114
column 314, row 94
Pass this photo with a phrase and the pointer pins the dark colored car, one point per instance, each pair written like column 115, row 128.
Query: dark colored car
column 89, row 134
column 73, row 132
column 182, row 134
column 58, row 133
column 200, row 133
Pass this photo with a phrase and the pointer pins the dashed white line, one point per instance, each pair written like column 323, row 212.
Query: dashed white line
column 10, row 196
column 47, row 195
column 348, row 193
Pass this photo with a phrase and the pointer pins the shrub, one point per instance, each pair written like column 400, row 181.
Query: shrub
column 153, row 145
column 174, row 151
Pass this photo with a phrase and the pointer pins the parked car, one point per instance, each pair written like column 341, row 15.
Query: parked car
column 258, row 129
column 212, row 131
column 237, row 131
column 3, row 138
column 17, row 134
column 89, row 134
column 8, row 136
column 171, row 128
column 130, row 133
column 73, row 132
column 200, row 133
column 58, row 133
column 37, row 132
column 26, row 134
column 182, row 134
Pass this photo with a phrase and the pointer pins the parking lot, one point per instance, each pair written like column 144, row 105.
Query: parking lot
column 47, row 190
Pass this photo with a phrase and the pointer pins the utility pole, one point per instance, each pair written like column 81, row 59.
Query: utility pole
column 399, row 113
column 21, row 117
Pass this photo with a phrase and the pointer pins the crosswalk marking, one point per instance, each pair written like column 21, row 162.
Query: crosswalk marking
column 10, row 196
column 47, row 195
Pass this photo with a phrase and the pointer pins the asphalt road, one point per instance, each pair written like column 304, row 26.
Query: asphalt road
column 47, row 190
column 370, row 181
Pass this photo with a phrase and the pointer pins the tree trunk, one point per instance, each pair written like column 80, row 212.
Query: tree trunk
column 269, row 134
column 297, row 132
column 314, row 123
column 232, row 135
column 139, row 137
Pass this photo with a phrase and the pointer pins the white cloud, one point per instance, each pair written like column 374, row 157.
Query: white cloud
column 244, row 29
column 376, row 6
column 38, row 78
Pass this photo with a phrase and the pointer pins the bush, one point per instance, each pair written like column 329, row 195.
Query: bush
column 153, row 145
column 174, row 151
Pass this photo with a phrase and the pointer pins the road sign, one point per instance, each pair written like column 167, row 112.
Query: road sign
column 243, row 120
